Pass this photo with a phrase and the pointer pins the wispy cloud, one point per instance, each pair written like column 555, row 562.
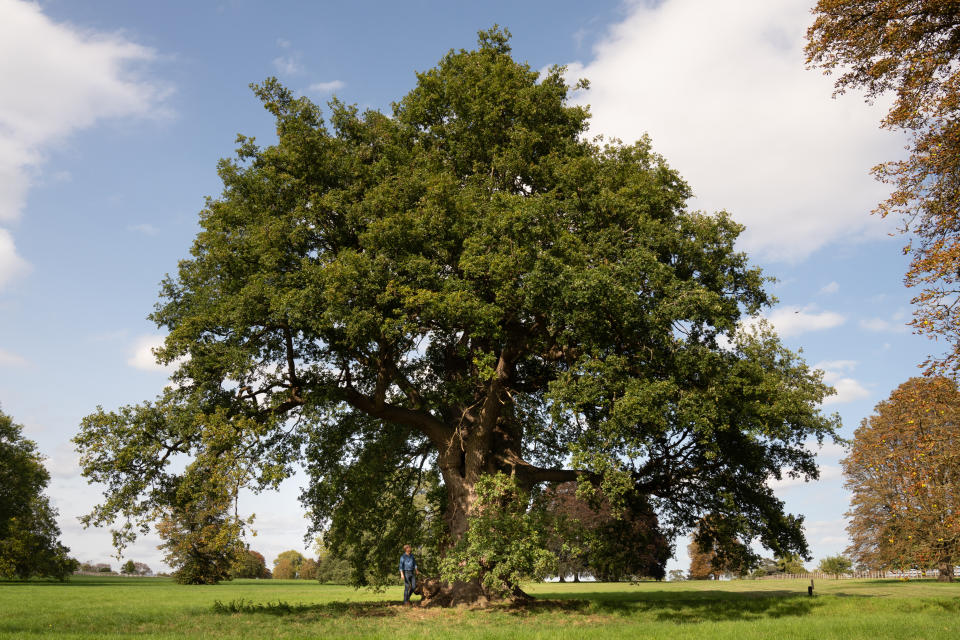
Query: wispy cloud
column 325, row 87
column 8, row 359
column 11, row 264
column 832, row 287
column 793, row 320
column 828, row 449
column 884, row 325
column 288, row 65
column 142, row 355
column 836, row 373
column 827, row 532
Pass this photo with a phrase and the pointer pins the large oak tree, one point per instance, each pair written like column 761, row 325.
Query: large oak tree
column 408, row 303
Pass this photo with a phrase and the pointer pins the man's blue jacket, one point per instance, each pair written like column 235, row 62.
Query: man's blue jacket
column 407, row 562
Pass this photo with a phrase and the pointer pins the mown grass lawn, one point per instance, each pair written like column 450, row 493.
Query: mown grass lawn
column 97, row 607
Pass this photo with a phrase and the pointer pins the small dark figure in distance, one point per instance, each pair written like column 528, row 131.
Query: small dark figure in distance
column 408, row 573
column 810, row 588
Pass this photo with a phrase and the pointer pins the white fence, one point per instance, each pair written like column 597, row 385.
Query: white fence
column 912, row 574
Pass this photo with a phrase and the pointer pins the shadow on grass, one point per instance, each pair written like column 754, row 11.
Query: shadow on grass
column 682, row 610
column 327, row 609
column 742, row 607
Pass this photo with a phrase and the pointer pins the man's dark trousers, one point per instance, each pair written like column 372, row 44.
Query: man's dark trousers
column 409, row 584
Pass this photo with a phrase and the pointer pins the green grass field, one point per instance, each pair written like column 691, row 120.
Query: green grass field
column 94, row 607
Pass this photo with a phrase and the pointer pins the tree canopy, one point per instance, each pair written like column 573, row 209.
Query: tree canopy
column 250, row 564
column 409, row 303
column 29, row 535
column 701, row 563
column 904, row 472
column 910, row 49
column 836, row 565
column 288, row 564
column 201, row 537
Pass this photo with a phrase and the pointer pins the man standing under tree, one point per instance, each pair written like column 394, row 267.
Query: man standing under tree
column 408, row 573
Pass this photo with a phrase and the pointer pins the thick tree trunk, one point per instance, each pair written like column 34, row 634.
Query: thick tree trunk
column 460, row 480
column 460, row 473
column 946, row 572
column 438, row 593
column 576, row 576
column 462, row 463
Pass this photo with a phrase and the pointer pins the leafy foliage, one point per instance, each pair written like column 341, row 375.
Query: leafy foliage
column 250, row 564
column 904, row 473
column 836, row 565
column 910, row 49
column 790, row 563
column 503, row 545
column 701, row 563
column 410, row 303
column 29, row 535
column 765, row 567
column 591, row 538
column 333, row 569
column 287, row 565
column 200, row 536
column 309, row 570
column 718, row 548
column 572, row 520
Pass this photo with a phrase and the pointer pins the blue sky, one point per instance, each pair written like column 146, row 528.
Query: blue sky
column 114, row 114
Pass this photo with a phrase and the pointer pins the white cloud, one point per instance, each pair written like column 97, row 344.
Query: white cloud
column 325, row 87
column 832, row 287
column 828, row 473
column 56, row 80
column 142, row 357
column 8, row 359
column 287, row 65
column 848, row 390
column 882, row 324
column 822, row 527
column 723, row 91
column 64, row 464
column 827, row 532
column 11, row 264
column 794, row 320
column 828, row 449
column 835, row 373
column 836, row 365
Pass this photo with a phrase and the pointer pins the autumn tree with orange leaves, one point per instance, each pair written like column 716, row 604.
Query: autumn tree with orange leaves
column 904, row 472
column 911, row 50
column 701, row 563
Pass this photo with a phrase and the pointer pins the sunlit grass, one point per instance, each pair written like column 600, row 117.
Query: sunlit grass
column 95, row 607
